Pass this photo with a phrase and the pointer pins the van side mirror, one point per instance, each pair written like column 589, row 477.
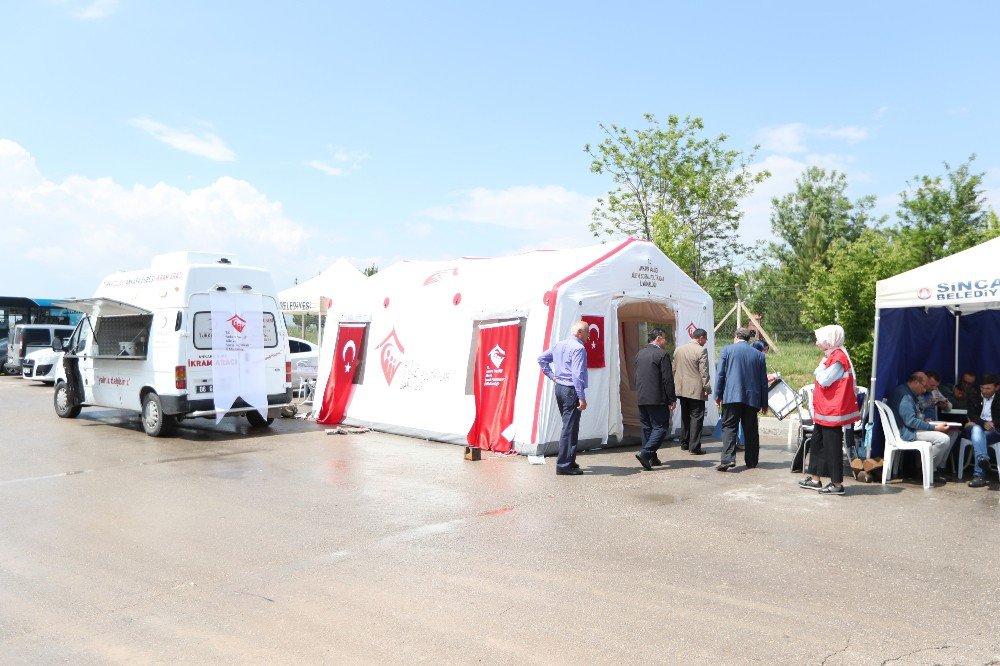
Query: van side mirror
column 58, row 345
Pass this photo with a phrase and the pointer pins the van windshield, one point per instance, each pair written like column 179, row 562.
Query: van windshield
column 203, row 330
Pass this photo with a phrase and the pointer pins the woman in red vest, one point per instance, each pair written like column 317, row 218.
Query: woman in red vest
column 835, row 405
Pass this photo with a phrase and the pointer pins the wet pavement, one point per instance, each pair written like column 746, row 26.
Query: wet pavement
column 289, row 545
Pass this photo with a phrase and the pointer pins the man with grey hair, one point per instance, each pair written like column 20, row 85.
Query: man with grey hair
column 741, row 390
column 565, row 363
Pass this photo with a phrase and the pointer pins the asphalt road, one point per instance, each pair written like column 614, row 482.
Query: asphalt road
column 293, row 546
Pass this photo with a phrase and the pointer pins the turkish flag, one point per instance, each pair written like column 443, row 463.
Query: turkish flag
column 340, row 385
column 595, row 345
column 496, row 384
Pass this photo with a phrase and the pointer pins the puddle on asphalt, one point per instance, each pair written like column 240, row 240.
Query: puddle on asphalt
column 659, row 498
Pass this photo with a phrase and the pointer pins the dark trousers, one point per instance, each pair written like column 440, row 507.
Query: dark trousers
column 735, row 414
column 825, row 452
column 568, row 403
column 655, row 420
column 692, row 422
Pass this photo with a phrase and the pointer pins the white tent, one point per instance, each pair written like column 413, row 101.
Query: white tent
column 420, row 319
column 941, row 316
column 306, row 297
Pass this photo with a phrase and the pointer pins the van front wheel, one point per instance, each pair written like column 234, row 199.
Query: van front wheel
column 66, row 406
column 258, row 421
column 154, row 421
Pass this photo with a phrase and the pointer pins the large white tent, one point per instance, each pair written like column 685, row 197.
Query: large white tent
column 307, row 297
column 416, row 356
column 942, row 316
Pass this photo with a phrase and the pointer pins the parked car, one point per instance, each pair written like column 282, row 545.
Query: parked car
column 27, row 338
column 41, row 365
column 3, row 353
column 305, row 360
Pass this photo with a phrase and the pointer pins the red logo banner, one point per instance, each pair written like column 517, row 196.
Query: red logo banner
column 595, row 344
column 496, row 384
column 391, row 355
column 340, row 385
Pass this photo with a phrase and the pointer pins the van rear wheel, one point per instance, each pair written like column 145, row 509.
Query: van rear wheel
column 66, row 406
column 154, row 421
column 258, row 421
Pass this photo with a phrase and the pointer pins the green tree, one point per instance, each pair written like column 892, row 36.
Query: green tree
column 809, row 219
column 845, row 293
column 674, row 187
column 942, row 215
column 371, row 270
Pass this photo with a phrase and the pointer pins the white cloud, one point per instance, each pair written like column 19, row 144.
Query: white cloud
column 206, row 145
column 548, row 207
column 880, row 112
column 418, row 229
column 850, row 133
column 341, row 162
column 791, row 138
column 70, row 233
column 788, row 138
column 97, row 10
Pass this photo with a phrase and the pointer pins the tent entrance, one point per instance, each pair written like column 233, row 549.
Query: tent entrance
column 635, row 319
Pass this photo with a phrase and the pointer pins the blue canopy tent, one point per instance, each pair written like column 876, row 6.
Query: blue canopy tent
column 942, row 316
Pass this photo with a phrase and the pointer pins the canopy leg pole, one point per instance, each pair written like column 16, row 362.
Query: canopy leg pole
column 958, row 316
column 871, row 387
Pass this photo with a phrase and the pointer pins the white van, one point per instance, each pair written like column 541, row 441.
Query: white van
column 146, row 344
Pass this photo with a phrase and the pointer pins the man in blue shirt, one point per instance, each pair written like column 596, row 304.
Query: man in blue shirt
column 565, row 363
column 903, row 402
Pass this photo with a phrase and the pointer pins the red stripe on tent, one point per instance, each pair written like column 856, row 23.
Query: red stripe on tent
column 551, row 317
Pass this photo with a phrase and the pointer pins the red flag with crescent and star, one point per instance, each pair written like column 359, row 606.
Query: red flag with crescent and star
column 595, row 343
column 340, row 385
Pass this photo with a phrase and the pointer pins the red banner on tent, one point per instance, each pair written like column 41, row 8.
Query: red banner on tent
column 340, row 385
column 496, row 383
column 595, row 345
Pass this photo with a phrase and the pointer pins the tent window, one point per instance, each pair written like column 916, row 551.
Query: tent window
column 470, row 370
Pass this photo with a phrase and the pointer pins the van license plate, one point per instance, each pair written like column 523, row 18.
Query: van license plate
column 203, row 388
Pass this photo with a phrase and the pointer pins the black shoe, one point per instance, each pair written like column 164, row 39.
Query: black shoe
column 698, row 452
column 574, row 466
column 684, row 447
column 740, row 447
column 810, row 484
column 644, row 461
column 831, row 489
column 655, row 462
column 724, row 467
column 940, row 478
column 751, row 466
column 570, row 471
column 978, row 482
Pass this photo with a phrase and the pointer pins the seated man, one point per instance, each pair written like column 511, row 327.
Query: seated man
column 933, row 400
column 912, row 426
column 959, row 394
column 984, row 417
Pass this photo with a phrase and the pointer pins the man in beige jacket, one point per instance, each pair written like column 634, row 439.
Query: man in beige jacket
column 693, row 386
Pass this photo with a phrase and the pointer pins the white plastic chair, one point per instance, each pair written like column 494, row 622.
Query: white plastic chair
column 963, row 462
column 895, row 443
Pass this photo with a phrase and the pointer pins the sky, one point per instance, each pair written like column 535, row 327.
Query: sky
column 296, row 133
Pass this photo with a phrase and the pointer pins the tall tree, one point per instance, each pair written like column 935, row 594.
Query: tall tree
column 941, row 215
column 674, row 187
column 807, row 220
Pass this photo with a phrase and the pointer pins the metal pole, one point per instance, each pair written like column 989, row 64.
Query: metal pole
column 958, row 316
column 871, row 388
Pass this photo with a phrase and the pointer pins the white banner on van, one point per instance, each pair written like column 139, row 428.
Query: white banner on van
column 238, row 351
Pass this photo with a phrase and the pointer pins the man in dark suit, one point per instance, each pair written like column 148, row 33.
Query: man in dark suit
column 654, row 383
column 741, row 390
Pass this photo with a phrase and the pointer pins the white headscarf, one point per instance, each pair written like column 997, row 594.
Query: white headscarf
column 833, row 336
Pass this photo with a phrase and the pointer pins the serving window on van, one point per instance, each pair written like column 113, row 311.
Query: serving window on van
column 122, row 337
column 203, row 330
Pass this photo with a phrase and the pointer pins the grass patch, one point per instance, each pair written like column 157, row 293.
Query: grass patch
column 796, row 362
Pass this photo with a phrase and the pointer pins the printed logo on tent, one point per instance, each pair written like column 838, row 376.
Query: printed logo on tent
column 691, row 329
column 924, row 293
column 391, row 356
column 497, row 355
column 238, row 323
column 595, row 341
column 348, row 362
column 440, row 275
